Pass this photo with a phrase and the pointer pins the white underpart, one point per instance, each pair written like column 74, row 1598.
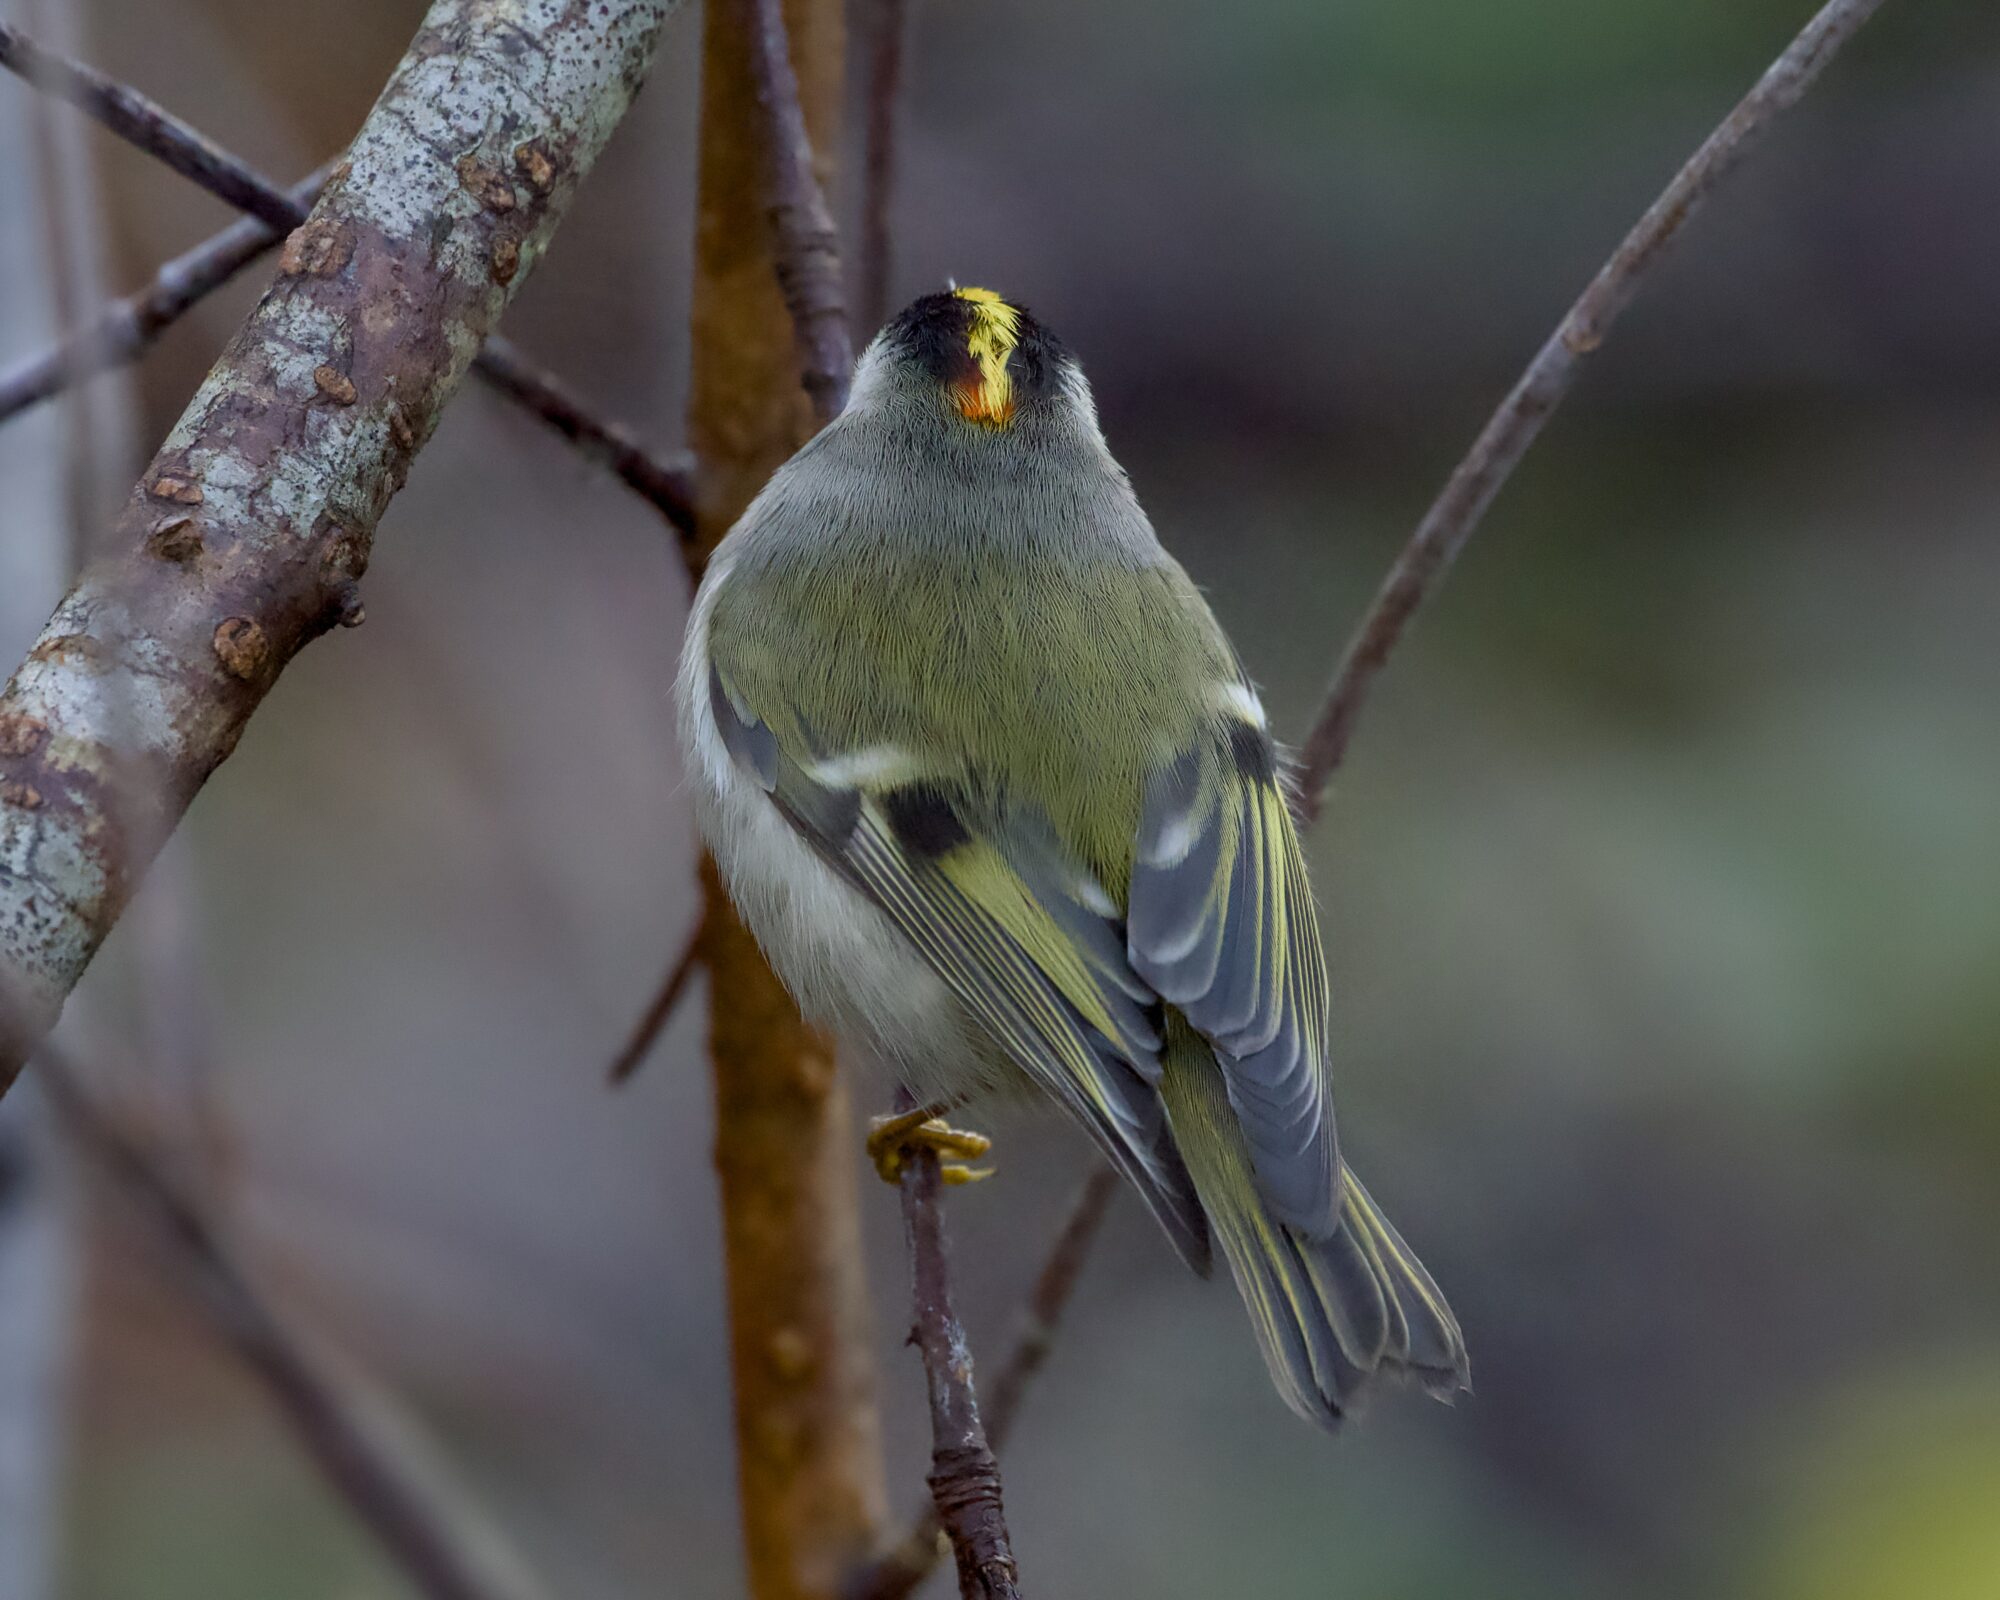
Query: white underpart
column 847, row 965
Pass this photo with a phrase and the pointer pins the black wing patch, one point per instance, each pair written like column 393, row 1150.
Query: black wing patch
column 1000, row 913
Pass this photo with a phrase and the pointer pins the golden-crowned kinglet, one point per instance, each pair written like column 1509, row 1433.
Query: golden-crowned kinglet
column 987, row 782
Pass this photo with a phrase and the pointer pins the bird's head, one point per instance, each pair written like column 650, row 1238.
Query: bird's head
column 985, row 359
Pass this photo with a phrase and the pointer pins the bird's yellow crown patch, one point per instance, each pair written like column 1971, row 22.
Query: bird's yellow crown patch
column 995, row 330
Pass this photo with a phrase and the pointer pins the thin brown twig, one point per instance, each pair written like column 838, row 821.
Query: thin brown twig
column 904, row 1565
column 141, row 122
column 964, row 1475
column 126, row 328
column 664, row 483
column 664, row 1002
column 1498, row 450
column 888, row 33
column 806, row 246
column 444, row 1560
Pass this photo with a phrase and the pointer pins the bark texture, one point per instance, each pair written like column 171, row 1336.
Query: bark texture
column 249, row 532
column 808, row 1451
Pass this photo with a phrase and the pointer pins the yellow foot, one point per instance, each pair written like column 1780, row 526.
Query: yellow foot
column 890, row 1137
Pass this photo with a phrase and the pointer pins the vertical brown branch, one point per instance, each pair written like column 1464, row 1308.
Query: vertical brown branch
column 965, row 1480
column 808, row 1449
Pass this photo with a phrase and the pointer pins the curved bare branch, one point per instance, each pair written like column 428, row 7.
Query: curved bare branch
column 1479, row 478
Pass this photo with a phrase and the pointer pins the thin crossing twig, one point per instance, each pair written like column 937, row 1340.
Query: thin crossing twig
column 1478, row 479
column 807, row 246
column 127, row 328
column 444, row 1558
column 965, row 1474
column 659, row 1011
column 146, row 125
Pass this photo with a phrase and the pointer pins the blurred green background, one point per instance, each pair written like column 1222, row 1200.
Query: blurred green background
column 1662, row 889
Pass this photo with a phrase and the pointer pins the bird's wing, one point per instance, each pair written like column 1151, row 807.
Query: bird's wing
column 1221, row 923
column 1023, row 935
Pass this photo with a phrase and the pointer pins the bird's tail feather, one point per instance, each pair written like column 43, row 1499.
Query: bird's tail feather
column 1333, row 1315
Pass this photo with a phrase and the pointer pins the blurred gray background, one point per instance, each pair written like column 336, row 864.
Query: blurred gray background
column 1662, row 889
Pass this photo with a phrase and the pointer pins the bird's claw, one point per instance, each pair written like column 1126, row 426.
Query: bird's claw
column 890, row 1138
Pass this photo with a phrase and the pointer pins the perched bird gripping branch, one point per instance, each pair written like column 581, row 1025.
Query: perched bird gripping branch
column 989, row 785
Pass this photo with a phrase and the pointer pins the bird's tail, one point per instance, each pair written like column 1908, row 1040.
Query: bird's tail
column 1333, row 1315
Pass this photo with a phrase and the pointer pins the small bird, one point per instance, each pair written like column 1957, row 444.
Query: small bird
column 987, row 782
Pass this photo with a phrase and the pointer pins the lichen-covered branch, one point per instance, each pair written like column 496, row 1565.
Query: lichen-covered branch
column 249, row 532
column 1470, row 491
column 128, row 327
column 444, row 1552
